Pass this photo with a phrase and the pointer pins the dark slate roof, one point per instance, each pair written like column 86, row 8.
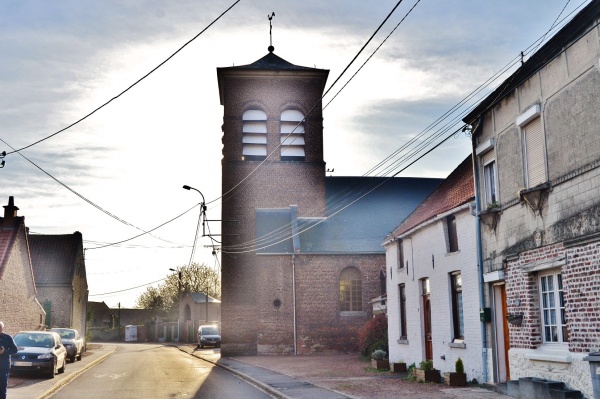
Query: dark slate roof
column 456, row 190
column 8, row 235
column 55, row 257
column 361, row 212
column 581, row 24
column 272, row 62
column 200, row 297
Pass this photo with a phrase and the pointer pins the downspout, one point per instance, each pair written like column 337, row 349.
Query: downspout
column 294, row 301
column 296, row 248
column 479, row 251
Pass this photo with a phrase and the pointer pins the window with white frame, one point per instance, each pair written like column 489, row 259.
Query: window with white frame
column 292, row 135
column 452, row 235
column 552, row 304
column 254, row 135
column 534, row 151
column 458, row 322
column 488, row 161
column 400, row 249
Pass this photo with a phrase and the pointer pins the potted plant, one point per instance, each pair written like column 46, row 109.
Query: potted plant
column 458, row 378
column 379, row 361
column 398, row 367
column 427, row 373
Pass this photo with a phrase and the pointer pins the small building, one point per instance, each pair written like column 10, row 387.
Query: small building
column 99, row 315
column 19, row 307
column 195, row 311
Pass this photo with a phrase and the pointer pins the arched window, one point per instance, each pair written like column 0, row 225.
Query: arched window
column 292, row 135
column 351, row 290
column 187, row 313
column 254, row 135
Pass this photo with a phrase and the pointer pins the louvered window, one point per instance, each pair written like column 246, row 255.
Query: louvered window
column 292, row 136
column 254, row 135
column 534, row 153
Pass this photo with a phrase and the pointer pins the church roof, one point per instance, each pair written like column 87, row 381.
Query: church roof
column 361, row 212
column 271, row 62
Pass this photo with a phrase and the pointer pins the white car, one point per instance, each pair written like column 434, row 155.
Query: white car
column 72, row 341
column 39, row 351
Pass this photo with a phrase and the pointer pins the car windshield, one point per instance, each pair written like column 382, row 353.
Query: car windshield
column 37, row 340
column 210, row 331
column 66, row 334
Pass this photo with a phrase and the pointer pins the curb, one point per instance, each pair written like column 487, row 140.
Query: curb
column 76, row 374
column 261, row 385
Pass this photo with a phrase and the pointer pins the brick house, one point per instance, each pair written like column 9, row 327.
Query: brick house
column 195, row 311
column 99, row 315
column 301, row 251
column 19, row 307
column 537, row 148
column 60, row 277
column 433, row 291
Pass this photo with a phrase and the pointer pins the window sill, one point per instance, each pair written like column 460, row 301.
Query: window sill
column 402, row 341
column 353, row 314
column 458, row 345
column 557, row 355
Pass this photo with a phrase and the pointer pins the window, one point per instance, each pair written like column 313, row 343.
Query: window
column 458, row 322
column 530, row 123
column 489, row 177
column 400, row 254
column 554, row 323
column 452, row 235
column 254, row 135
column 292, row 136
column 350, row 290
column 48, row 309
column 402, row 300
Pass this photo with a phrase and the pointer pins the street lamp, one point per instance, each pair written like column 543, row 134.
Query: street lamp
column 203, row 212
column 178, row 301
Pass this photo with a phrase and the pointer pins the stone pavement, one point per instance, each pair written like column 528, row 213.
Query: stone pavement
column 332, row 376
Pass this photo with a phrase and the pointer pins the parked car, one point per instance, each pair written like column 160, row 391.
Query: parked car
column 72, row 341
column 209, row 335
column 39, row 351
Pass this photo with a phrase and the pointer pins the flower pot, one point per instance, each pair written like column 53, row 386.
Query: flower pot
column 398, row 367
column 381, row 364
column 428, row 376
column 455, row 379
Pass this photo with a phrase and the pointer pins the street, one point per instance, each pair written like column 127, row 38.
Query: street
column 141, row 370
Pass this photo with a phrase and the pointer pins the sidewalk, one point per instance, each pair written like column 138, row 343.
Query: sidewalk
column 332, row 377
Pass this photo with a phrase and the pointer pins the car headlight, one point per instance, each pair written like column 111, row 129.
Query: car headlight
column 45, row 356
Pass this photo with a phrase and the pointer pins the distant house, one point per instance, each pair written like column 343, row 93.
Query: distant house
column 19, row 308
column 537, row 147
column 195, row 311
column 99, row 315
column 433, row 280
column 60, row 277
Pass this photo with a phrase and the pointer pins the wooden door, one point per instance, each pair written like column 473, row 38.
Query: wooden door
column 427, row 320
column 505, row 328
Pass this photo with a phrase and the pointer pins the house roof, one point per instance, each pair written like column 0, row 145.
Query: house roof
column 456, row 190
column 8, row 235
column 200, row 297
column 582, row 23
column 361, row 211
column 55, row 257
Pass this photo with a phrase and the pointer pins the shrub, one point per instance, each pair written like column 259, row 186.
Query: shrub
column 426, row 365
column 373, row 335
column 459, row 367
column 378, row 355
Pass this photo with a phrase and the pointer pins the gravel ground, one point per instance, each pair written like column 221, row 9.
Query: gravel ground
column 353, row 376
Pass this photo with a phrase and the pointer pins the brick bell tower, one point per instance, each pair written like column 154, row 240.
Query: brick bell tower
column 272, row 159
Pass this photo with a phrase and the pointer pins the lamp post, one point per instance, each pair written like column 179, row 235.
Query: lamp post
column 203, row 212
column 178, row 302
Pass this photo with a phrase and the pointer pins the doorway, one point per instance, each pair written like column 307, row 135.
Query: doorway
column 501, row 333
column 425, row 295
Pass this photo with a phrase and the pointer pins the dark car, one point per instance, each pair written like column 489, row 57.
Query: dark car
column 72, row 341
column 40, row 351
column 209, row 335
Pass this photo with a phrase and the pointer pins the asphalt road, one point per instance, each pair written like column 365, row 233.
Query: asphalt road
column 156, row 371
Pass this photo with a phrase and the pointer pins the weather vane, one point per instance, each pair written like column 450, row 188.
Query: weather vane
column 271, row 48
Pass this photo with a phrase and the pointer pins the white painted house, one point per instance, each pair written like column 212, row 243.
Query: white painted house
column 433, row 296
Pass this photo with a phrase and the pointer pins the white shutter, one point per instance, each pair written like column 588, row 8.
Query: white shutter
column 488, row 157
column 534, row 152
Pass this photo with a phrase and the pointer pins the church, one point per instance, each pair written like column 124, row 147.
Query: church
column 301, row 251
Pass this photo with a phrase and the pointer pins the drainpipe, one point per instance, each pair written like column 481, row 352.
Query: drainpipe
column 296, row 249
column 479, row 251
column 294, row 301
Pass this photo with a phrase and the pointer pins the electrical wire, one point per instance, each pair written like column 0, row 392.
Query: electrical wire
column 129, row 289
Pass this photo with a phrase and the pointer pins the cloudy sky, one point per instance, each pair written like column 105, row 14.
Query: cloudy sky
column 121, row 170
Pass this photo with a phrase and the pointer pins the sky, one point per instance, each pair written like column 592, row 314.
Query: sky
column 120, row 171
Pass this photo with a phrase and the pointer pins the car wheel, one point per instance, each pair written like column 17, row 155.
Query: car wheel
column 72, row 358
column 64, row 366
column 52, row 370
column 78, row 357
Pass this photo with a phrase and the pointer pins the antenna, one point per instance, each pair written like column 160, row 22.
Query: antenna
column 271, row 48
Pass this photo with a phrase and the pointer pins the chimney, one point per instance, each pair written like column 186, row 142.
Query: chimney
column 10, row 211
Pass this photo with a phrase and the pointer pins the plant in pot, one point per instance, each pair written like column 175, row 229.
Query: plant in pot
column 379, row 361
column 426, row 372
column 458, row 378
